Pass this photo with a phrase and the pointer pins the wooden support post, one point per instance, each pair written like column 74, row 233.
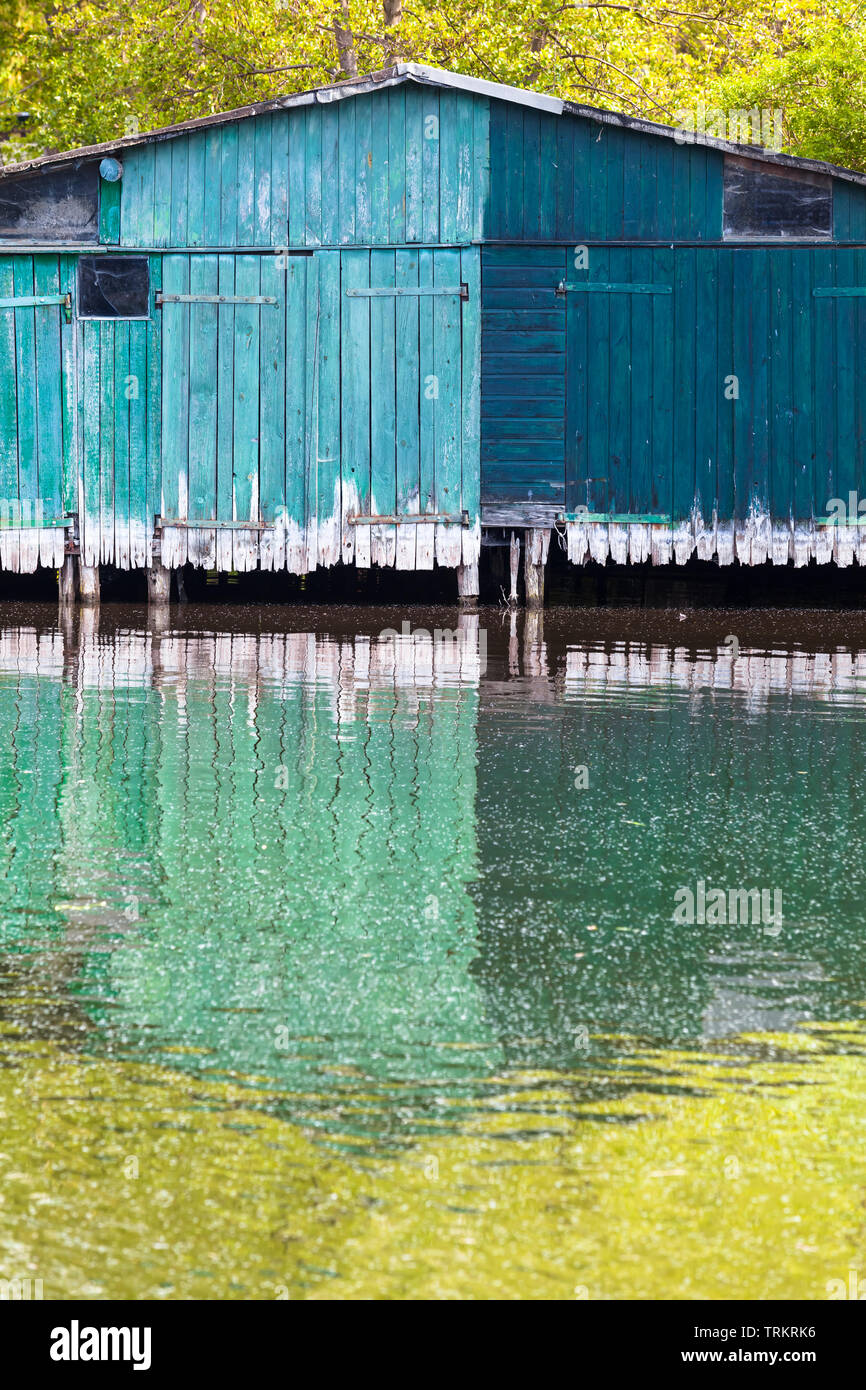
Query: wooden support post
column 88, row 585
column 158, row 584
column 514, row 556
column 467, row 583
column 68, row 580
column 534, row 561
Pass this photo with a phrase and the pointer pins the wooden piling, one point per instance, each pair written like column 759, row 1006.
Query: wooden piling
column 514, row 558
column 88, row 585
column 537, row 542
column 467, row 583
column 158, row 584
column 68, row 583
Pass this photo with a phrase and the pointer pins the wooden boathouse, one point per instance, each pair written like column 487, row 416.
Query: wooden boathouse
column 370, row 323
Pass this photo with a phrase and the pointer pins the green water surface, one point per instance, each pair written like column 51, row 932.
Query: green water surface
column 334, row 966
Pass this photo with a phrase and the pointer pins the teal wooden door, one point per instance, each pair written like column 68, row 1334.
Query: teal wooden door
column 619, row 384
column 118, row 485
column 37, row 384
column 410, row 360
column 222, row 316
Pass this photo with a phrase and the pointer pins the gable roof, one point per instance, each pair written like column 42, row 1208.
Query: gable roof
column 401, row 73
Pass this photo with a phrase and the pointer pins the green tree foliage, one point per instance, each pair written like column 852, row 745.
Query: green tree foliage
column 83, row 71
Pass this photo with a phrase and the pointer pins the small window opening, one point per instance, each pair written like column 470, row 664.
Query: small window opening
column 113, row 287
column 771, row 200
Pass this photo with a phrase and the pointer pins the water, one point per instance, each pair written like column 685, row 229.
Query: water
column 339, row 966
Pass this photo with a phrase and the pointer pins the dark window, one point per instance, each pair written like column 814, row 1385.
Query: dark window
column 56, row 206
column 113, row 287
column 771, row 200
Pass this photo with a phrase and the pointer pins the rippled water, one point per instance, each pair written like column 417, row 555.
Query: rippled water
column 334, row 965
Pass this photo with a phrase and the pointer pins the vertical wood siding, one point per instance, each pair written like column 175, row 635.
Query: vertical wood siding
column 36, row 411
column 300, row 415
column 567, row 178
column 116, row 478
column 639, row 413
column 405, row 165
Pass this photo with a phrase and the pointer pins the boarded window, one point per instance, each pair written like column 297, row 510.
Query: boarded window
column 113, row 287
column 770, row 200
column 56, row 206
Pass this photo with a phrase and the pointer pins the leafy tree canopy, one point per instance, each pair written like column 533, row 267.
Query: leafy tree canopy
column 82, row 72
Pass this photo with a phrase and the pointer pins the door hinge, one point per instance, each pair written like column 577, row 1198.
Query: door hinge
column 214, row 299
column 461, row 291
column 39, row 301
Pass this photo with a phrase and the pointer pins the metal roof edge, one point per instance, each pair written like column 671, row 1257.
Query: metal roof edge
column 481, row 86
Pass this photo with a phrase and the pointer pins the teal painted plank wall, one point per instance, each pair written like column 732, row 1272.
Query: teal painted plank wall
column 404, row 165
column 627, row 403
column 567, row 178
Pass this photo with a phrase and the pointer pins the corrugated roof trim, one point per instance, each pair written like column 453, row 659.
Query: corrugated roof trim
column 436, row 77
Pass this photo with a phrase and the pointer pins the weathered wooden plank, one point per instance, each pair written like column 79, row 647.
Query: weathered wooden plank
column 8, row 404
column 614, row 141
column 48, row 383
column 179, row 193
column 331, row 175
column 245, row 437
column 311, row 420
column 425, row 535
column 280, row 178
column 397, row 165
column 781, row 402
column 175, row 405
column 107, row 393
column 549, row 175
column 430, row 163
column 328, row 454
column 120, row 506
column 346, row 171
column 197, row 188
column 297, row 179
column 225, row 409
column 137, row 198
column 355, row 404
column 413, row 170
column 313, row 175
column 293, row 539
column 245, row 190
column 470, row 264
column 203, row 378
column 363, row 169
column 707, row 397
column 663, row 404
column 109, row 212
column 262, row 195
column 229, row 186
column 136, row 393
column 449, row 165
column 480, row 166
column 212, row 191
column 25, row 371
column 154, row 501
column 447, row 370
column 88, row 506
column 69, row 388
column 685, row 359
column 272, row 442
column 408, row 393
column 383, row 440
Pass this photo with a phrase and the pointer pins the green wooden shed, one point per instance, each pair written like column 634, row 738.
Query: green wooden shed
column 368, row 323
